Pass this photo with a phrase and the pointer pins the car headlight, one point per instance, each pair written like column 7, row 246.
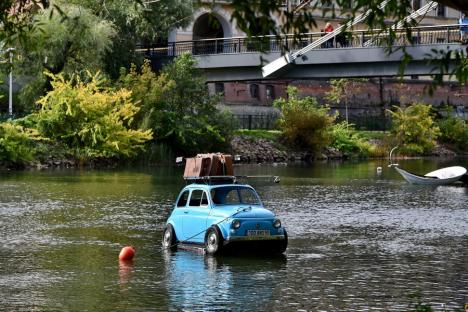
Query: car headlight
column 277, row 223
column 236, row 224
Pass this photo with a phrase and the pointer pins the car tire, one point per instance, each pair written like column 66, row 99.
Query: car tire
column 282, row 245
column 169, row 239
column 213, row 241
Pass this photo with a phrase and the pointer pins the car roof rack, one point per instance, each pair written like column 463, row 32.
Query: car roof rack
column 213, row 180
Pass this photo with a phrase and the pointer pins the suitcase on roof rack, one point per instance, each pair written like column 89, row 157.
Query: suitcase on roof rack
column 209, row 165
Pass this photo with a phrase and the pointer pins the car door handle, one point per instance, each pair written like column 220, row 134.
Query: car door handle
column 185, row 212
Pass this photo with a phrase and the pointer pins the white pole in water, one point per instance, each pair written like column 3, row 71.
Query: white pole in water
column 10, row 91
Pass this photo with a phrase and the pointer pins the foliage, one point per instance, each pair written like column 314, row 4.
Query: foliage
column 346, row 139
column 176, row 105
column 342, row 90
column 15, row 17
column 91, row 120
column 453, row 131
column 148, row 90
column 70, row 41
column 304, row 122
column 371, row 135
column 17, row 143
column 136, row 22
column 259, row 134
column 414, row 128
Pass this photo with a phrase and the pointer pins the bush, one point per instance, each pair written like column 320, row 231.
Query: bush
column 346, row 139
column 17, row 144
column 454, row 131
column 304, row 122
column 176, row 105
column 414, row 129
column 92, row 121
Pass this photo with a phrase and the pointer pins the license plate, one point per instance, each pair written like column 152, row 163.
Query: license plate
column 258, row 233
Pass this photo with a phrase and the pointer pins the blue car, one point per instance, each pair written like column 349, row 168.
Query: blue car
column 222, row 216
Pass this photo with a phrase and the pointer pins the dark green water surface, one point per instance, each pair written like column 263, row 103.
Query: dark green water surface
column 359, row 241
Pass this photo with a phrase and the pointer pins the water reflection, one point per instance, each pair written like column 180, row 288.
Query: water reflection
column 125, row 274
column 196, row 282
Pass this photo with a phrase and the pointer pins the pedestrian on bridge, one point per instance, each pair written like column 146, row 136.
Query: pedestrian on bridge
column 463, row 28
column 328, row 29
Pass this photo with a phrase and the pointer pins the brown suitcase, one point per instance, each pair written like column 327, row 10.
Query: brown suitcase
column 208, row 165
column 197, row 167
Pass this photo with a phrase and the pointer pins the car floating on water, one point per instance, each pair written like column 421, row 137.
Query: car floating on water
column 221, row 215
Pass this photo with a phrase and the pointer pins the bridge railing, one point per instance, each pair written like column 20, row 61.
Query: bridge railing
column 423, row 35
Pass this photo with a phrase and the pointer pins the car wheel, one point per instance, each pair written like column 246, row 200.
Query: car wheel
column 213, row 241
column 169, row 240
column 283, row 244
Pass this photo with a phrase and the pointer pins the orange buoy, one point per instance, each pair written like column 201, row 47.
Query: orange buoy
column 127, row 253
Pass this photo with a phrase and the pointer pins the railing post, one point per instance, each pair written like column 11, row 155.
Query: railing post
column 362, row 39
column 173, row 49
column 448, row 34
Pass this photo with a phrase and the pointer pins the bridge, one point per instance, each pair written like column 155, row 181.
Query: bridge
column 360, row 53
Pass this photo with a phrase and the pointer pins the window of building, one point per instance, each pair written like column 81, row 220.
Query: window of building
column 416, row 4
column 219, row 88
column 441, row 10
column 254, row 91
column 270, row 92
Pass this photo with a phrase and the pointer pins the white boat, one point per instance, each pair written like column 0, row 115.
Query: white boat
column 442, row 176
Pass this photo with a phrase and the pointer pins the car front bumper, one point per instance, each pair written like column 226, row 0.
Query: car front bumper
column 254, row 238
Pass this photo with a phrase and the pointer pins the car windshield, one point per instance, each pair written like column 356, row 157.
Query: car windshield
column 234, row 195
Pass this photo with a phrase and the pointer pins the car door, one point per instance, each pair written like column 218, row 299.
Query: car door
column 195, row 215
column 179, row 211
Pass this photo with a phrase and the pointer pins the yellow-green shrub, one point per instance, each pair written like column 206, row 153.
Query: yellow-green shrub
column 93, row 121
column 304, row 122
column 17, row 144
column 414, row 129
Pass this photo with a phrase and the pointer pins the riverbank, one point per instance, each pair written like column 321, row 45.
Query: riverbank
column 263, row 150
column 251, row 149
column 248, row 147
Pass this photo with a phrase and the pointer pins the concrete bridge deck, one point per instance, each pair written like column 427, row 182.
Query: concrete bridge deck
column 362, row 53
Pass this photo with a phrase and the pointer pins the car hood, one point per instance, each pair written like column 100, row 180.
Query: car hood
column 243, row 212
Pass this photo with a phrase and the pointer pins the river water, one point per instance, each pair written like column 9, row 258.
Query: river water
column 359, row 241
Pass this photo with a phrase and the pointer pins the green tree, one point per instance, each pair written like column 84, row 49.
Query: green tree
column 195, row 123
column 343, row 90
column 136, row 22
column 177, row 106
column 93, row 121
column 70, row 41
column 414, row 129
column 453, row 131
column 305, row 124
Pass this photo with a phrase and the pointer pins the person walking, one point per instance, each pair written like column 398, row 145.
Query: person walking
column 328, row 29
column 463, row 28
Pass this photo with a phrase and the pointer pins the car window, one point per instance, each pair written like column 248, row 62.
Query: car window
column 198, row 198
column 183, row 199
column 248, row 196
column 234, row 196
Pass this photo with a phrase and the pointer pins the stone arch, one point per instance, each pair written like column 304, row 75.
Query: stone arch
column 211, row 24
